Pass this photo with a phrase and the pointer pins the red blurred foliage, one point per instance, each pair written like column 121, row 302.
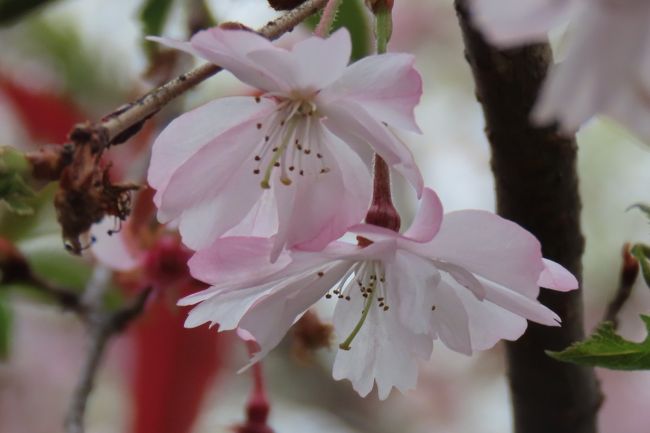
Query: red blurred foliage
column 174, row 368
column 47, row 117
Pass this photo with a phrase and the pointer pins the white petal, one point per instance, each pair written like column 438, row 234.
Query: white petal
column 383, row 351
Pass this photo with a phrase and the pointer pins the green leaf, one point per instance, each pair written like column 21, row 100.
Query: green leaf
column 11, row 10
column 641, row 253
column 153, row 16
column 607, row 349
column 14, row 189
column 351, row 15
column 5, row 328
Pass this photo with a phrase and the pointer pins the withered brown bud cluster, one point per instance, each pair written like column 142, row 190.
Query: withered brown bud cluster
column 285, row 5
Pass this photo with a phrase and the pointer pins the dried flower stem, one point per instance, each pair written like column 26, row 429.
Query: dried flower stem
column 327, row 19
column 127, row 120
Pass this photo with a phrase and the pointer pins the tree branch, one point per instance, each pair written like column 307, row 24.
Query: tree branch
column 119, row 125
column 537, row 187
column 102, row 326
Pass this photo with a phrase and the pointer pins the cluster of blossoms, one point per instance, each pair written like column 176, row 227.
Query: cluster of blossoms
column 263, row 188
column 587, row 82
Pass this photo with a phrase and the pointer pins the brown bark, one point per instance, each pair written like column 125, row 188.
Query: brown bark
column 536, row 186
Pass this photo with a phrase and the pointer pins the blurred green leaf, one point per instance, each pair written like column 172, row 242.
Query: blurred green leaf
column 11, row 10
column 641, row 252
column 607, row 349
column 153, row 16
column 642, row 207
column 5, row 328
column 351, row 15
column 15, row 191
column 91, row 75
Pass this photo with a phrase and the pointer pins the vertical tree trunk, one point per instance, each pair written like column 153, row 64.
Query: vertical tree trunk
column 537, row 187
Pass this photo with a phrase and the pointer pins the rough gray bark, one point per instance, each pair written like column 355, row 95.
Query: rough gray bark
column 536, row 186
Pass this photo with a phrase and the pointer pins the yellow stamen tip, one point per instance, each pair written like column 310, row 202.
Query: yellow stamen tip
column 285, row 181
column 265, row 184
column 344, row 346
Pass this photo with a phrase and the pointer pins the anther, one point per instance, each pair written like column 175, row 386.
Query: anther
column 292, row 168
column 307, row 151
column 433, row 308
column 319, row 156
column 347, row 298
column 267, row 138
column 302, row 172
column 256, row 171
column 258, row 158
column 320, row 273
column 328, row 296
column 259, row 126
column 276, row 164
column 258, row 99
column 275, row 149
column 386, row 308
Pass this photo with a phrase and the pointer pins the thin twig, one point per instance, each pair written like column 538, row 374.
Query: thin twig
column 127, row 119
column 102, row 326
column 629, row 273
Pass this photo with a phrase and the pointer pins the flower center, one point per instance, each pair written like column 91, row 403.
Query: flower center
column 290, row 142
column 368, row 278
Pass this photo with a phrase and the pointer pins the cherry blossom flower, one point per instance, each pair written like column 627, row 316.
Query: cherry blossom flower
column 293, row 161
column 607, row 66
column 468, row 279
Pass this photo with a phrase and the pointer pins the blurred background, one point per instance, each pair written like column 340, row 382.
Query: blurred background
column 71, row 60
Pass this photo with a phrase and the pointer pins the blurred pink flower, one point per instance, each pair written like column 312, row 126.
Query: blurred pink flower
column 607, row 66
column 290, row 162
column 468, row 279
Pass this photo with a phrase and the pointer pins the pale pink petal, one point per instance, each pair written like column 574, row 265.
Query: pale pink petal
column 113, row 251
column 213, row 218
column 311, row 65
column 428, row 219
column 587, row 82
column 175, row 44
column 352, row 124
column 463, row 277
column 261, row 220
column 488, row 246
column 450, row 318
column 319, row 207
column 384, row 351
column 192, row 131
column 519, row 304
column 387, row 85
column 271, row 316
column 230, row 262
column 555, row 277
column 230, row 49
column 205, row 173
column 411, row 283
column 334, row 201
column 224, row 308
column 516, row 22
column 489, row 323
column 322, row 61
